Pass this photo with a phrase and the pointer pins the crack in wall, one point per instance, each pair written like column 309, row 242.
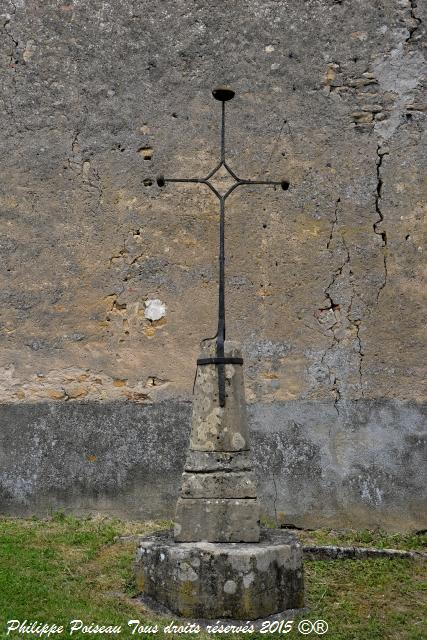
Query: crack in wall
column 119, row 256
column 379, row 221
column 356, row 323
column 13, row 61
column 416, row 21
column 97, row 185
column 335, row 307
column 338, row 315
column 127, row 254
column 361, row 355
column 74, row 142
column 337, row 390
column 14, row 57
column 136, row 259
column 275, row 498
column 334, row 223
column 73, row 159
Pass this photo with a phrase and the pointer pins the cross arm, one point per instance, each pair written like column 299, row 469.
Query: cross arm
column 282, row 183
column 161, row 181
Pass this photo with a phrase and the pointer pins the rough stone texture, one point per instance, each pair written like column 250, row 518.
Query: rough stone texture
column 331, row 552
column 323, row 280
column 218, row 506
column 207, row 580
column 218, row 461
column 219, row 485
column 217, row 520
column 215, row 428
column 367, row 465
column 127, row 460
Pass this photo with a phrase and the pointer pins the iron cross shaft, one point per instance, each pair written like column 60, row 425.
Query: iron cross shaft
column 223, row 94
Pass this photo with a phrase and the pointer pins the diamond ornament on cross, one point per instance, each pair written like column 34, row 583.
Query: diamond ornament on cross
column 221, row 171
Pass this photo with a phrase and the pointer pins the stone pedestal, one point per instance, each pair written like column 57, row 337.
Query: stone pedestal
column 218, row 564
column 218, row 501
column 205, row 580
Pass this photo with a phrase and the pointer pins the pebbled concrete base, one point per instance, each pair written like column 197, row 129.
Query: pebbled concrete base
column 222, row 580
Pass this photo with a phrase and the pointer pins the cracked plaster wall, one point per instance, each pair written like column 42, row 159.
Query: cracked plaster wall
column 323, row 280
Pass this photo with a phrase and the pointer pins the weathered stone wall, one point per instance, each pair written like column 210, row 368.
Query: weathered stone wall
column 323, row 280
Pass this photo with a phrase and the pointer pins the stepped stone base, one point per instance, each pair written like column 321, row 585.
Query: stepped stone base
column 222, row 520
column 206, row 580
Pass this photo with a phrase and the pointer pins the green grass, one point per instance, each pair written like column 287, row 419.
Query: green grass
column 365, row 538
column 66, row 568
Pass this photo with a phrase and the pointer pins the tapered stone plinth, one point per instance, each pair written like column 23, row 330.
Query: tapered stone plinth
column 217, row 563
column 218, row 500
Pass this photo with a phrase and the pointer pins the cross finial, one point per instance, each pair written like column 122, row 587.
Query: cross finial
column 223, row 94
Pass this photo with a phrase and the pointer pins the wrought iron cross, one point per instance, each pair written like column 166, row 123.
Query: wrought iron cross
column 223, row 94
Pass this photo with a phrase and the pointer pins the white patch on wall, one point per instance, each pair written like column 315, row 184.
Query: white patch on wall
column 154, row 309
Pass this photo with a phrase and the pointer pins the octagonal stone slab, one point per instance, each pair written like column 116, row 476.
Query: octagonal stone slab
column 206, row 580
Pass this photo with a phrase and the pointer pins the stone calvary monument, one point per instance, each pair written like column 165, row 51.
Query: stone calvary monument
column 218, row 562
